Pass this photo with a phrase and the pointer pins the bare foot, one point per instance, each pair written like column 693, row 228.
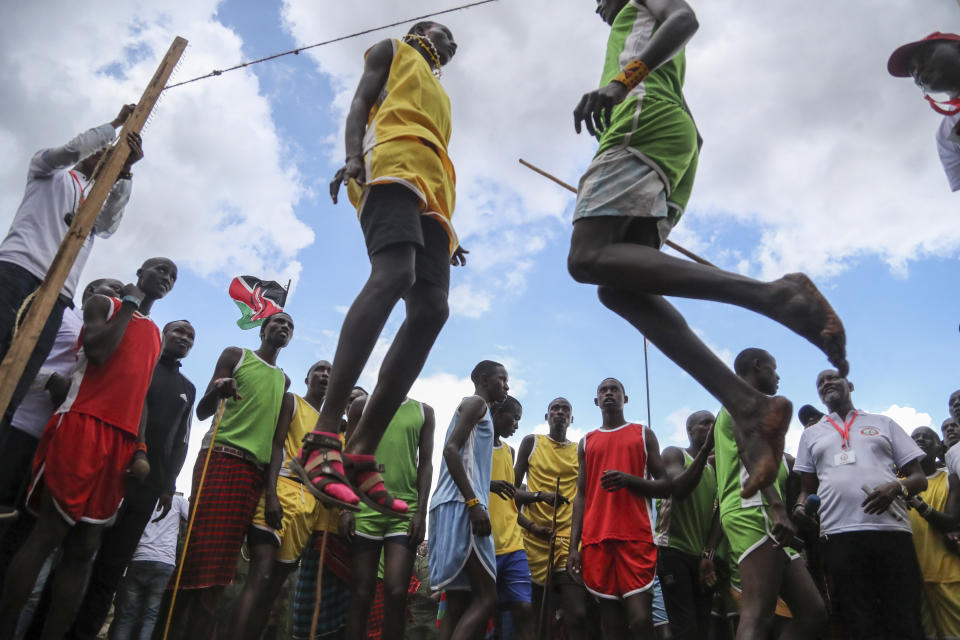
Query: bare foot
column 802, row 308
column 760, row 432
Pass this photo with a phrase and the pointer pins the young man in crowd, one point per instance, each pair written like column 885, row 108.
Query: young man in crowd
column 57, row 180
column 848, row 460
column 462, row 554
column 402, row 183
column 275, row 551
column 759, row 528
column 91, row 446
column 542, row 459
column 169, row 406
column 513, row 572
column 407, row 453
column 632, row 195
column 683, row 525
column 250, row 387
column 935, row 513
column 934, row 65
column 620, row 471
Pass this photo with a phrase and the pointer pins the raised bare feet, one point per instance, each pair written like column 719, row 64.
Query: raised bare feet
column 801, row 307
column 760, row 431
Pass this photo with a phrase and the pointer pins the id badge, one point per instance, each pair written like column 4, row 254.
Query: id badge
column 848, row 456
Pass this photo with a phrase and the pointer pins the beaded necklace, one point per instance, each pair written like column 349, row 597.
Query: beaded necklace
column 429, row 47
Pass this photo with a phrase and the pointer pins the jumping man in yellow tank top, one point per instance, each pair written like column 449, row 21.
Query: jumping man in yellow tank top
column 543, row 459
column 401, row 181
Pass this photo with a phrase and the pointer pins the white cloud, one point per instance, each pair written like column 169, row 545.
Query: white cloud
column 908, row 417
column 212, row 192
column 469, row 302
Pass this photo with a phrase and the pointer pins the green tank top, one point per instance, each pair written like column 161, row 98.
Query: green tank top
column 653, row 119
column 250, row 422
column 685, row 524
column 731, row 475
column 398, row 453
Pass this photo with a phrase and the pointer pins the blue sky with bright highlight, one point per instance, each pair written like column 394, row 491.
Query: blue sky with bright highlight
column 814, row 159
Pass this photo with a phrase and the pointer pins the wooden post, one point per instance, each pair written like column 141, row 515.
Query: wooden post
column 669, row 243
column 36, row 317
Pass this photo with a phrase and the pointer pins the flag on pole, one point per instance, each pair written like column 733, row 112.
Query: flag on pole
column 257, row 299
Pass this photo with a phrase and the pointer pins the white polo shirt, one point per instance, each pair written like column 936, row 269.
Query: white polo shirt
column 953, row 460
column 159, row 540
column 948, row 146
column 878, row 444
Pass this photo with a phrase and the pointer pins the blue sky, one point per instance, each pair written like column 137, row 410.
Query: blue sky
column 815, row 159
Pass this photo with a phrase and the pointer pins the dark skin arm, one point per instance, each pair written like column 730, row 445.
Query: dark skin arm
column 708, row 571
column 418, row 524
column 659, row 487
column 101, row 337
column 678, row 23
column 222, row 385
column 809, row 483
column 914, row 479
column 376, row 69
column 471, row 411
column 684, row 481
column 522, row 496
column 945, row 521
column 576, row 523
column 272, row 511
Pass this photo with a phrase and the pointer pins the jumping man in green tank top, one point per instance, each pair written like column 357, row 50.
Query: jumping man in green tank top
column 635, row 191
column 683, row 524
column 406, row 451
column 253, row 387
column 758, row 528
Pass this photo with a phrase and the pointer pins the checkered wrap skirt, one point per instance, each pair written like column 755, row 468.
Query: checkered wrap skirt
column 230, row 494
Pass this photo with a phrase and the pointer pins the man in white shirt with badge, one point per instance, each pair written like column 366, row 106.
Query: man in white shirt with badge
column 849, row 459
column 952, row 456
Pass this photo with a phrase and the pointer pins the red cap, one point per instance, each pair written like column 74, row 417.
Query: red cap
column 897, row 64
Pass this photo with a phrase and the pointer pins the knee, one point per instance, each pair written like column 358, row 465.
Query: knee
column 610, row 297
column 361, row 594
column 391, row 281
column 582, row 263
column 395, row 593
column 81, row 549
column 639, row 622
column 429, row 308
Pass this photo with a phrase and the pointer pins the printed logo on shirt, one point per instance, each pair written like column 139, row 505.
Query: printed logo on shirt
column 869, row 431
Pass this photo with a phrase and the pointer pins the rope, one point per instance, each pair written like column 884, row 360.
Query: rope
column 219, row 72
column 23, row 310
column 193, row 515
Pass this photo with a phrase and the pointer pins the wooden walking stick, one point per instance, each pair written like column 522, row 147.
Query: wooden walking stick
column 669, row 243
column 323, row 551
column 46, row 295
column 543, row 624
column 193, row 516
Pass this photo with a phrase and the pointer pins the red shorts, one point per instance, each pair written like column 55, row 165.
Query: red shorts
column 82, row 461
column 616, row 569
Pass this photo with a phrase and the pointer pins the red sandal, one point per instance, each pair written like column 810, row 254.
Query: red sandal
column 315, row 468
column 365, row 477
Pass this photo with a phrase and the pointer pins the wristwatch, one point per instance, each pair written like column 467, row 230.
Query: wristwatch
column 538, row 496
column 134, row 300
column 903, row 489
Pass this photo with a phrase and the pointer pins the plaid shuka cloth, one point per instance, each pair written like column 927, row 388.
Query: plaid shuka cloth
column 335, row 595
column 228, row 499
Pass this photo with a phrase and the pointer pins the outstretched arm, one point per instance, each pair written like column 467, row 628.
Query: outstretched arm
column 81, row 146
column 376, row 69
column 222, row 384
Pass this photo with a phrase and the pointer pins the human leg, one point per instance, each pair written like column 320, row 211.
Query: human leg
column 575, row 602
column 514, row 593
column 79, row 547
column 682, row 595
column 761, row 573
column 482, row 602
column 252, row 608
column 899, row 584
column 397, row 569
column 456, row 603
column 158, row 578
column 363, row 563
column 614, row 619
column 131, row 595
column 801, row 595
column 850, row 564
column 638, row 609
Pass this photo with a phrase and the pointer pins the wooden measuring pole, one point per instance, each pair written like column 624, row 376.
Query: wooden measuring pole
column 36, row 317
column 669, row 243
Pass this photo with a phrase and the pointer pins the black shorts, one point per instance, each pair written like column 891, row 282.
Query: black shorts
column 391, row 215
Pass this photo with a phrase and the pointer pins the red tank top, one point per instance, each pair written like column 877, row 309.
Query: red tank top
column 622, row 514
column 116, row 390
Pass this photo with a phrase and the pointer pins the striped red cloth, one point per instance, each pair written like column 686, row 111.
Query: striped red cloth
column 230, row 493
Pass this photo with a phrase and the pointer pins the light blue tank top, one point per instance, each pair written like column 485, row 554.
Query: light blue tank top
column 477, row 456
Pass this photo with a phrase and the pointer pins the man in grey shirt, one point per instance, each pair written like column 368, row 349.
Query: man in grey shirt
column 56, row 185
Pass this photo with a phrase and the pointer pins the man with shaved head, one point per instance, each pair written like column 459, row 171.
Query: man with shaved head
column 542, row 459
column 91, row 445
column 848, row 459
column 951, row 434
column 683, row 525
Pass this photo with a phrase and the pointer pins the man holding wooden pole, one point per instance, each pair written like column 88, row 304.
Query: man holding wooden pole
column 53, row 194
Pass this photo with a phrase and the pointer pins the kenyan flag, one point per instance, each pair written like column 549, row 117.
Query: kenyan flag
column 257, row 299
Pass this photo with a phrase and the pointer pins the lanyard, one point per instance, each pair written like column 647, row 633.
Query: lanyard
column 77, row 180
column 845, row 432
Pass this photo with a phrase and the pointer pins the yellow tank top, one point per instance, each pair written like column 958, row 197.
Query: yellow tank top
column 936, row 563
column 303, row 421
column 406, row 140
column 548, row 461
column 503, row 513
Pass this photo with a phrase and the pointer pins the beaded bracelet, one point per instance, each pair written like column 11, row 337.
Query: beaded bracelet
column 472, row 502
column 632, row 74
